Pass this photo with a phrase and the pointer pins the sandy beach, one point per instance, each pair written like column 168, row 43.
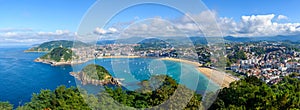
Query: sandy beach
column 181, row 60
column 119, row 57
column 221, row 78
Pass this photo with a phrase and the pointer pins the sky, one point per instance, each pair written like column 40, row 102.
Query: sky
column 35, row 21
column 238, row 8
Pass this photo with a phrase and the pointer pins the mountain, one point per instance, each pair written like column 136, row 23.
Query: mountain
column 96, row 72
column 237, row 39
column 176, row 41
column 48, row 46
column 96, row 75
column 199, row 40
column 105, row 42
column 152, row 43
column 57, row 56
column 292, row 38
column 131, row 40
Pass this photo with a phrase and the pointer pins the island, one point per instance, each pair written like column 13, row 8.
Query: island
column 96, row 75
column 58, row 56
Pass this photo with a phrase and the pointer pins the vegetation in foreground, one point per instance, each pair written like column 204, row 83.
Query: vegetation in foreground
column 117, row 98
column 249, row 93
column 6, row 106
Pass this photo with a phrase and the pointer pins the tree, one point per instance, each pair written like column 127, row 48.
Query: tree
column 6, row 106
column 252, row 93
column 61, row 98
column 96, row 72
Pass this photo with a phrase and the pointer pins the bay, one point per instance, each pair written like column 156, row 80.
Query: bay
column 20, row 76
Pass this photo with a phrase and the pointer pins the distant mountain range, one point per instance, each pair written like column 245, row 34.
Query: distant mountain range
column 292, row 38
column 173, row 41
column 178, row 41
column 182, row 41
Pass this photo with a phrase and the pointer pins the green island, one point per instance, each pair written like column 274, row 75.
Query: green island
column 96, row 75
column 247, row 93
column 57, row 56
column 48, row 46
column 96, row 72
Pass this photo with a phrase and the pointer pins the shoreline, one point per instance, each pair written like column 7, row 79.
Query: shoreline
column 211, row 74
column 54, row 63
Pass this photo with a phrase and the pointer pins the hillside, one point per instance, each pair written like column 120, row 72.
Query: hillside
column 96, row 75
column 152, row 43
column 58, row 56
column 48, row 46
column 96, row 72
column 292, row 38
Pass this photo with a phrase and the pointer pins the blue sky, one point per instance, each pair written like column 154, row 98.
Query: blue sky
column 44, row 15
column 31, row 21
column 238, row 8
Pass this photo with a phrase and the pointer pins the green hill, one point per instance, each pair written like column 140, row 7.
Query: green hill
column 59, row 55
column 96, row 72
column 48, row 46
column 152, row 43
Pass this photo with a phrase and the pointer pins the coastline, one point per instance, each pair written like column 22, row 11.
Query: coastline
column 54, row 63
column 221, row 78
column 84, row 79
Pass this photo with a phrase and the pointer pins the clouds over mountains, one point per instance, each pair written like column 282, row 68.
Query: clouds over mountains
column 29, row 36
column 208, row 23
column 265, row 25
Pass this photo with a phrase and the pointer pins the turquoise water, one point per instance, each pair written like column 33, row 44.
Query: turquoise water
column 20, row 76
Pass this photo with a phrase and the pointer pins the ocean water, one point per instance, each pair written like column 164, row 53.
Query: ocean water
column 20, row 76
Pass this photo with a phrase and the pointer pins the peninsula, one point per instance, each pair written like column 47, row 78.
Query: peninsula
column 96, row 75
column 58, row 56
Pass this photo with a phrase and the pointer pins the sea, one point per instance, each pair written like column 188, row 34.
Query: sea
column 20, row 76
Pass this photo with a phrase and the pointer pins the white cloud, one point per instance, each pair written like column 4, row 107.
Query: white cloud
column 56, row 33
column 282, row 17
column 101, row 31
column 112, row 30
column 264, row 25
column 256, row 24
column 155, row 27
column 209, row 24
column 18, row 36
column 9, row 34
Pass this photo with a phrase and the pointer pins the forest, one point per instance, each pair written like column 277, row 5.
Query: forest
column 163, row 92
